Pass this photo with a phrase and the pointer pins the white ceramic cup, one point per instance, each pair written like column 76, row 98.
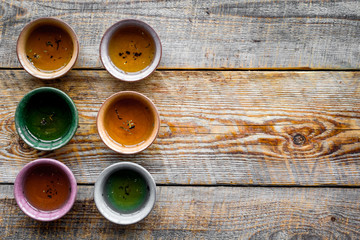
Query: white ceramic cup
column 118, row 73
column 108, row 211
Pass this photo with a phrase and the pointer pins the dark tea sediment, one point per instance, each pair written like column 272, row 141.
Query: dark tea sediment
column 126, row 191
column 47, row 116
column 49, row 48
column 46, row 188
column 129, row 122
column 131, row 49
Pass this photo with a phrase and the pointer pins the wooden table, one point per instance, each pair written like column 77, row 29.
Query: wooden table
column 260, row 119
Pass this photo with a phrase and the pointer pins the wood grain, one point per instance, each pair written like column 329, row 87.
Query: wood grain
column 229, row 127
column 311, row 34
column 203, row 212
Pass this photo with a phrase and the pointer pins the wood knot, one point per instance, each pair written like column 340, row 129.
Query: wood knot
column 333, row 219
column 299, row 139
column 23, row 146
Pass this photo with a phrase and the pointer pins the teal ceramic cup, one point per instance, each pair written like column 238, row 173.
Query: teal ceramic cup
column 46, row 118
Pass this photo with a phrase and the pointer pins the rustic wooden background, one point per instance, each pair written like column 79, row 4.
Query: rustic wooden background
column 260, row 119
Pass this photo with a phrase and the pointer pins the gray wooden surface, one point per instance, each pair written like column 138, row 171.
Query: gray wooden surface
column 270, row 153
column 209, row 213
column 243, row 34
column 224, row 127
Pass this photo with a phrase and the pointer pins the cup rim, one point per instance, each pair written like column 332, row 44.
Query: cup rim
column 122, row 218
column 107, row 140
column 118, row 73
column 33, row 71
column 49, row 146
column 31, row 211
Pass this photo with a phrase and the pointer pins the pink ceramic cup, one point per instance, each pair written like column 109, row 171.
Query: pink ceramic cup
column 31, row 211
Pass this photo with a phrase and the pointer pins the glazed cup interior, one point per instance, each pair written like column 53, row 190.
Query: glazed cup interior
column 21, row 47
column 115, row 71
column 122, row 218
column 112, row 144
column 30, row 210
column 28, row 137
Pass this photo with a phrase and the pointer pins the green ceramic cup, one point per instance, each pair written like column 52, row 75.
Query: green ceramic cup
column 46, row 118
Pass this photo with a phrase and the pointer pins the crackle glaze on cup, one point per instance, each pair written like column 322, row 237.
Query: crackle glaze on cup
column 115, row 216
column 115, row 71
column 28, row 137
column 21, row 51
column 112, row 143
column 25, row 205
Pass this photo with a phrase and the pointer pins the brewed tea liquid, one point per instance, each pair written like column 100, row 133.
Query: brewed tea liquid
column 131, row 49
column 47, row 116
column 126, row 191
column 46, row 188
column 49, row 48
column 129, row 122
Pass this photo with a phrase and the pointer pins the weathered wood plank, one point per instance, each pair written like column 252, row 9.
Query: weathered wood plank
column 203, row 212
column 216, row 127
column 242, row 34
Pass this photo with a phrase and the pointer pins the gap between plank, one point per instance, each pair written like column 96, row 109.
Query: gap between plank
column 222, row 69
column 233, row 185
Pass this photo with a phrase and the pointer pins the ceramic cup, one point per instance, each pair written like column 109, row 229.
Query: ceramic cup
column 107, row 209
column 20, row 192
column 44, row 98
column 24, row 37
column 122, row 122
column 110, row 66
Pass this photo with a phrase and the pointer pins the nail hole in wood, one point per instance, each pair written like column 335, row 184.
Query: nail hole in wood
column 299, row 139
column 333, row 219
